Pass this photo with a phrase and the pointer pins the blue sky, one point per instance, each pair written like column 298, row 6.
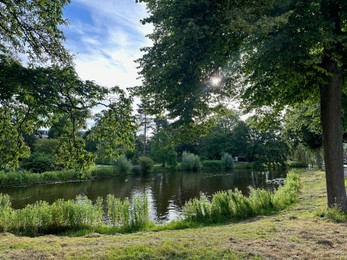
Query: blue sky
column 106, row 36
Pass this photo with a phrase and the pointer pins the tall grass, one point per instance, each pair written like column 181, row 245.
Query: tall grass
column 23, row 177
column 77, row 214
column 232, row 204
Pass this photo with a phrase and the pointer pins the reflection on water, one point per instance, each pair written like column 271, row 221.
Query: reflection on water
column 166, row 192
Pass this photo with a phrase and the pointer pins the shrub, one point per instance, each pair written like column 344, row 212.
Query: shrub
column 190, row 162
column 123, row 165
column 227, row 161
column 297, row 165
column 39, row 162
column 146, row 164
column 212, row 164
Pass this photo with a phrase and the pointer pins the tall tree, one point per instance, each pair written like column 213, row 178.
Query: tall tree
column 39, row 97
column 115, row 128
column 272, row 53
column 302, row 125
column 145, row 122
column 162, row 149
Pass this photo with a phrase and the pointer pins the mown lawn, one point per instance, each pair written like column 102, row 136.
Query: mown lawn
column 296, row 233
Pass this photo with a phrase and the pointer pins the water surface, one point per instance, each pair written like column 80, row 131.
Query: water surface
column 166, row 192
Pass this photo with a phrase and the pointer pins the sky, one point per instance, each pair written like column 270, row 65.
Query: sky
column 106, row 36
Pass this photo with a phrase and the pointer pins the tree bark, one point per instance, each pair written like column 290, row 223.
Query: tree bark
column 331, row 119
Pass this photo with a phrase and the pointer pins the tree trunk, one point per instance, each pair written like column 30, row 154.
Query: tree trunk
column 331, row 119
column 318, row 159
column 145, row 135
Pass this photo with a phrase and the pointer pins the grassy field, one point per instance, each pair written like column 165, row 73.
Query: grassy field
column 296, row 233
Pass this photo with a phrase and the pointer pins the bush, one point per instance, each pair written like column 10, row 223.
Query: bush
column 123, row 165
column 39, row 162
column 190, row 162
column 297, row 165
column 146, row 164
column 227, row 161
column 211, row 164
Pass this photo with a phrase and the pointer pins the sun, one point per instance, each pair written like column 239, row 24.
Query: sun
column 215, row 81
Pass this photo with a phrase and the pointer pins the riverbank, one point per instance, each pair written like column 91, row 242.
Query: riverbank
column 294, row 233
column 24, row 178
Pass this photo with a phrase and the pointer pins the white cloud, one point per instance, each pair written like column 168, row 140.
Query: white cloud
column 107, row 46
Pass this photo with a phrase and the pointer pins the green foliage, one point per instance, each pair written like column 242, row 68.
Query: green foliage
column 23, row 178
column 227, row 161
column 123, row 165
column 146, row 164
column 47, row 146
column 38, row 162
column 80, row 213
column 6, row 212
column 33, row 98
column 104, row 172
column 12, row 145
column 197, row 209
column 287, row 194
column 251, row 45
column 34, row 28
column 118, row 211
column 139, row 215
column 268, row 148
column 232, row 204
column 261, row 201
column 114, row 131
column 334, row 214
column 163, row 150
column 211, row 164
column 190, row 162
column 72, row 154
column 244, row 165
column 42, row 218
column 297, row 165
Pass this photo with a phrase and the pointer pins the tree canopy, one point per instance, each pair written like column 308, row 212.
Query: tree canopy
column 33, row 28
column 268, row 53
